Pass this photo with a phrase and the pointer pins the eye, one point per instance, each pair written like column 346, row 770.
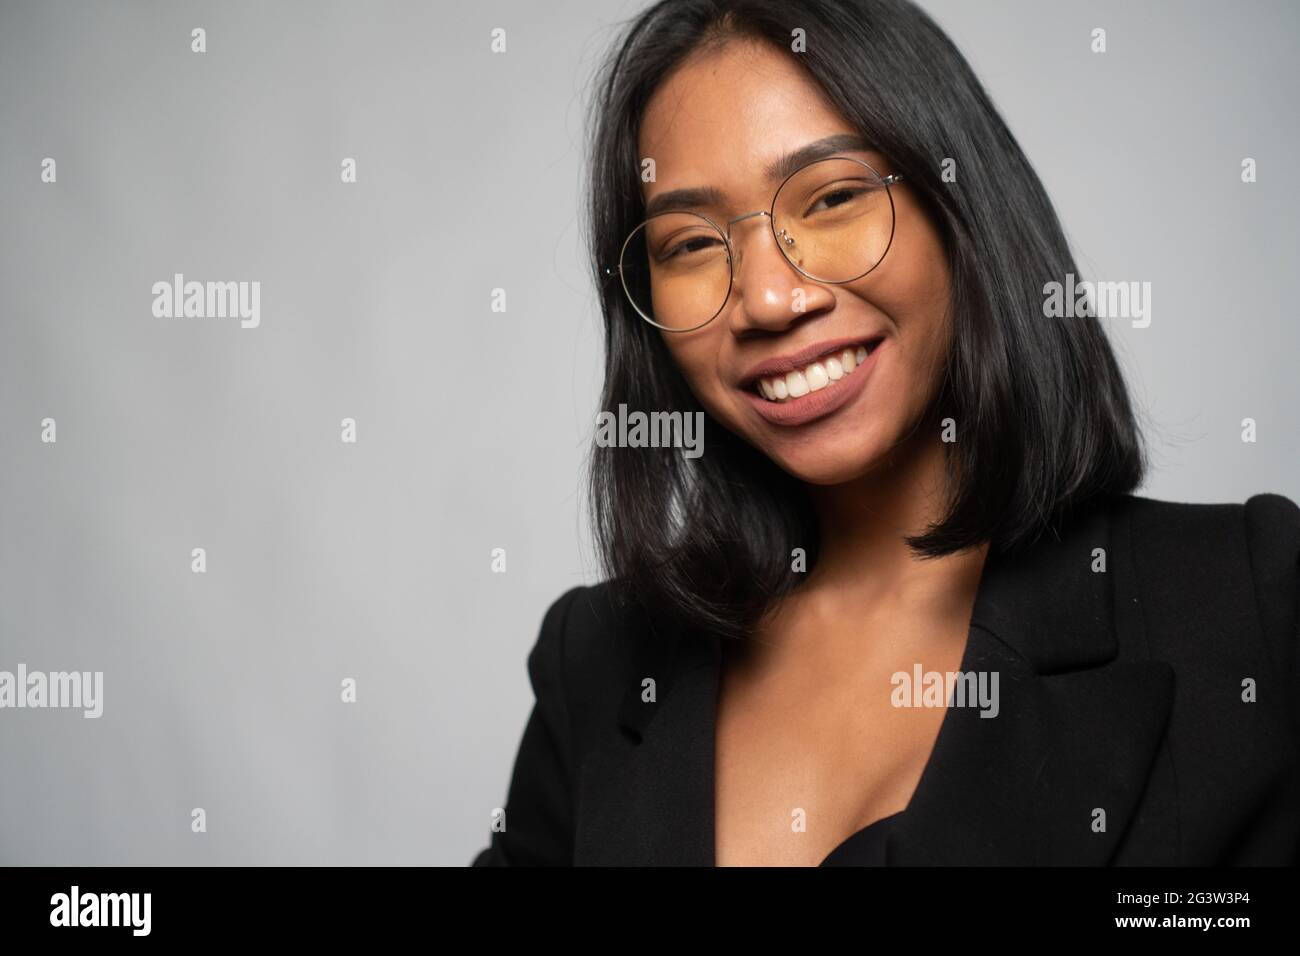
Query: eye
column 689, row 246
column 836, row 198
column 694, row 244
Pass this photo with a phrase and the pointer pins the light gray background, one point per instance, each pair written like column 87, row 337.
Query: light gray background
column 371, row 561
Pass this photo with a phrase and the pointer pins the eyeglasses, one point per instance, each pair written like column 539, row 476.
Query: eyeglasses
column 832, row 219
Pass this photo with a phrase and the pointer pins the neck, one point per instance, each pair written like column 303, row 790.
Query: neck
column 864, row 562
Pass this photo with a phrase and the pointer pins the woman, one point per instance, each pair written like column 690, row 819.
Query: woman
column 905, row 607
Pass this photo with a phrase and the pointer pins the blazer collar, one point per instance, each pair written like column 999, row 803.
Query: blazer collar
column 1076, row 733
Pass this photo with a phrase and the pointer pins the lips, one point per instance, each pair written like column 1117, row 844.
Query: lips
column 811, row 384
column 804, row 357
column 823, row 372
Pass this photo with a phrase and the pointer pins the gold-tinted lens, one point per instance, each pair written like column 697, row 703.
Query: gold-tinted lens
column 676, row 270
column 834, row 219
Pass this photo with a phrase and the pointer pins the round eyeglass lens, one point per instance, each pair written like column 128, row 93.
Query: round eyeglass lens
column 676, row 270
column 834, row 220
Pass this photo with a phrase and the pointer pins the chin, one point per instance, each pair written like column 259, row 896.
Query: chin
column 829, row 462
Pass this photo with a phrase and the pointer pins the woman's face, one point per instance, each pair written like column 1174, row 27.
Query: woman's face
column 720, row 121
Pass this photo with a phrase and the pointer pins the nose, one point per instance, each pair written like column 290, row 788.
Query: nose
column 765, row 286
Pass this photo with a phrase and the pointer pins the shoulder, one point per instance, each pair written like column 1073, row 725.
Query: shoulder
column 1264, row 531
column 592, row 643
column 1273, row 539
column 590, row 625
column 1245, row 555
column 1270, row 519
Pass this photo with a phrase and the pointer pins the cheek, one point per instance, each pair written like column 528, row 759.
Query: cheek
column 696, row 356
column 916, row 299
column 922, row 346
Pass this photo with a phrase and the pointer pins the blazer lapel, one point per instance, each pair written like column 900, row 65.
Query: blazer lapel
column 649, row 794
column 1068, row 753
column 1077, row 730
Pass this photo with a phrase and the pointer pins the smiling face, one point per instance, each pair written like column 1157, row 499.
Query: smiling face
column 869, row 353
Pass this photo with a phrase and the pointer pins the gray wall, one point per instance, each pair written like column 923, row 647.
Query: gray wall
column 371, row 560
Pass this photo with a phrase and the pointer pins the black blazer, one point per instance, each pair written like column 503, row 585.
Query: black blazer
column 1120, row 690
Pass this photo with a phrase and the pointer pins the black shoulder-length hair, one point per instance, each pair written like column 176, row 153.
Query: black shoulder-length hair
column 1045, row 423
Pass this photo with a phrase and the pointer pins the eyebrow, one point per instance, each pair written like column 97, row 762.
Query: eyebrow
column 783, row 166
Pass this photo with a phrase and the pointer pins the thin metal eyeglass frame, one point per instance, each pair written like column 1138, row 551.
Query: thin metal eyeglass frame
column 885, row 181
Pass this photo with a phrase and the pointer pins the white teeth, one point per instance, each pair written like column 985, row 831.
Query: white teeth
column 818, row 375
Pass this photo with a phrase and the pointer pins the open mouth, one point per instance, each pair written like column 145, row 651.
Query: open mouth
column 823, row 372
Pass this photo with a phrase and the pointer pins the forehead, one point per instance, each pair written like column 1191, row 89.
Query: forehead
column 724, row 118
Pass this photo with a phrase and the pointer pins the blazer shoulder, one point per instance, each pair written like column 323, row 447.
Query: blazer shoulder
column 592, row 641
column 1259, row 540
column 596, row 624
column 1273, row 540
column 1270, row 522
column 1273, row 530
